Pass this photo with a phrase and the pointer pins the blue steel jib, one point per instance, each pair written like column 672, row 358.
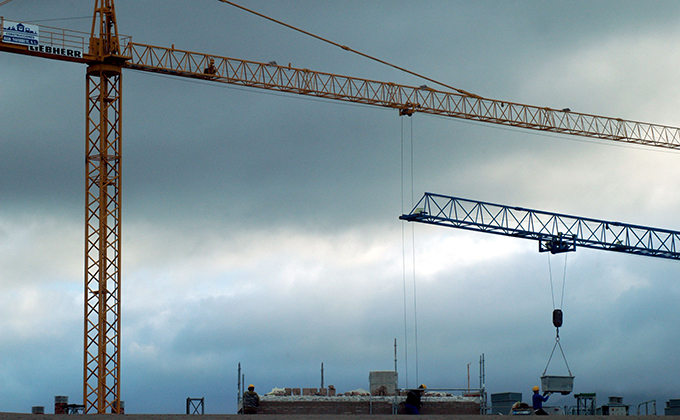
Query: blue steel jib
column 554, row 232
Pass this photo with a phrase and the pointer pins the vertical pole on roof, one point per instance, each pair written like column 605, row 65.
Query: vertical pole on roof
column 482, row 385
column 238, row 387
column 468, row 377
column 396, row 380
column 395, row 359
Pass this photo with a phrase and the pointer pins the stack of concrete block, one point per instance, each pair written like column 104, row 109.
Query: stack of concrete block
column 502, row 402
column 382, row 382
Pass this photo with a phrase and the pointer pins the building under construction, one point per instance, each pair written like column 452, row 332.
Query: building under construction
column 383, row 397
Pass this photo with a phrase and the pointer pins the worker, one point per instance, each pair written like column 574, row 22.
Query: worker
column 211, row 69
column 251, row 401
column 412, row 404
column 538, row 400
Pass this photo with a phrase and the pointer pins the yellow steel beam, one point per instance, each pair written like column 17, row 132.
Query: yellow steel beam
column 407, row 99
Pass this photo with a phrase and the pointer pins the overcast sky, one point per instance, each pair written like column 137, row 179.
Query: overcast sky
column 262, row 228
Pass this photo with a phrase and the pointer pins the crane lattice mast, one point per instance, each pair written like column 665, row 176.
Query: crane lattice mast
column 101, row 383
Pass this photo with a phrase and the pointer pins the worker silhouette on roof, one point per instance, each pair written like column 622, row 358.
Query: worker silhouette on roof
column 251, row 401
column 413, row 404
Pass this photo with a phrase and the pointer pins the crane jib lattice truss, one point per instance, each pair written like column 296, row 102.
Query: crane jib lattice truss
column 408, row 99
column 107, row 54
column 554, row 232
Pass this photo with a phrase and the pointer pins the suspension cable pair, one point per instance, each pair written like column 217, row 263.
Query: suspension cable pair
column 557, row 315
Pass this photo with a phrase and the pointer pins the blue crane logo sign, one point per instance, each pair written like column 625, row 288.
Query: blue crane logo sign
column 20, row 33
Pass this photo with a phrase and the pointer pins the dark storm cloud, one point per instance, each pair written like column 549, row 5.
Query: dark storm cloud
column 262, row 228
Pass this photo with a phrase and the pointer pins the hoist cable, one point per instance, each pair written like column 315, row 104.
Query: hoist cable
column 564, row 279
column 346, row 48
column 412, row 189
column 557, row 314
column 552, row 291
column 550, row 358
column 413, row 248
column 557, row 343
column 415, row 297
column 403, row 256
column 413, row 253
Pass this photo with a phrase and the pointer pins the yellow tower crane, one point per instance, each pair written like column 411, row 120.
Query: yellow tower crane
column 106, row 54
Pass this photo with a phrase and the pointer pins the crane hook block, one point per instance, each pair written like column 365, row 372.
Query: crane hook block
column 557, row 318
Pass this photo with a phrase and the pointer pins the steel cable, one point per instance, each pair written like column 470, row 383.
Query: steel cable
column 346, row 48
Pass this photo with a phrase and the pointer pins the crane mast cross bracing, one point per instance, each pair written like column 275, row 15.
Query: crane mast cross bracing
column 106, row 53
column 554, row 232
column 101, row 372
